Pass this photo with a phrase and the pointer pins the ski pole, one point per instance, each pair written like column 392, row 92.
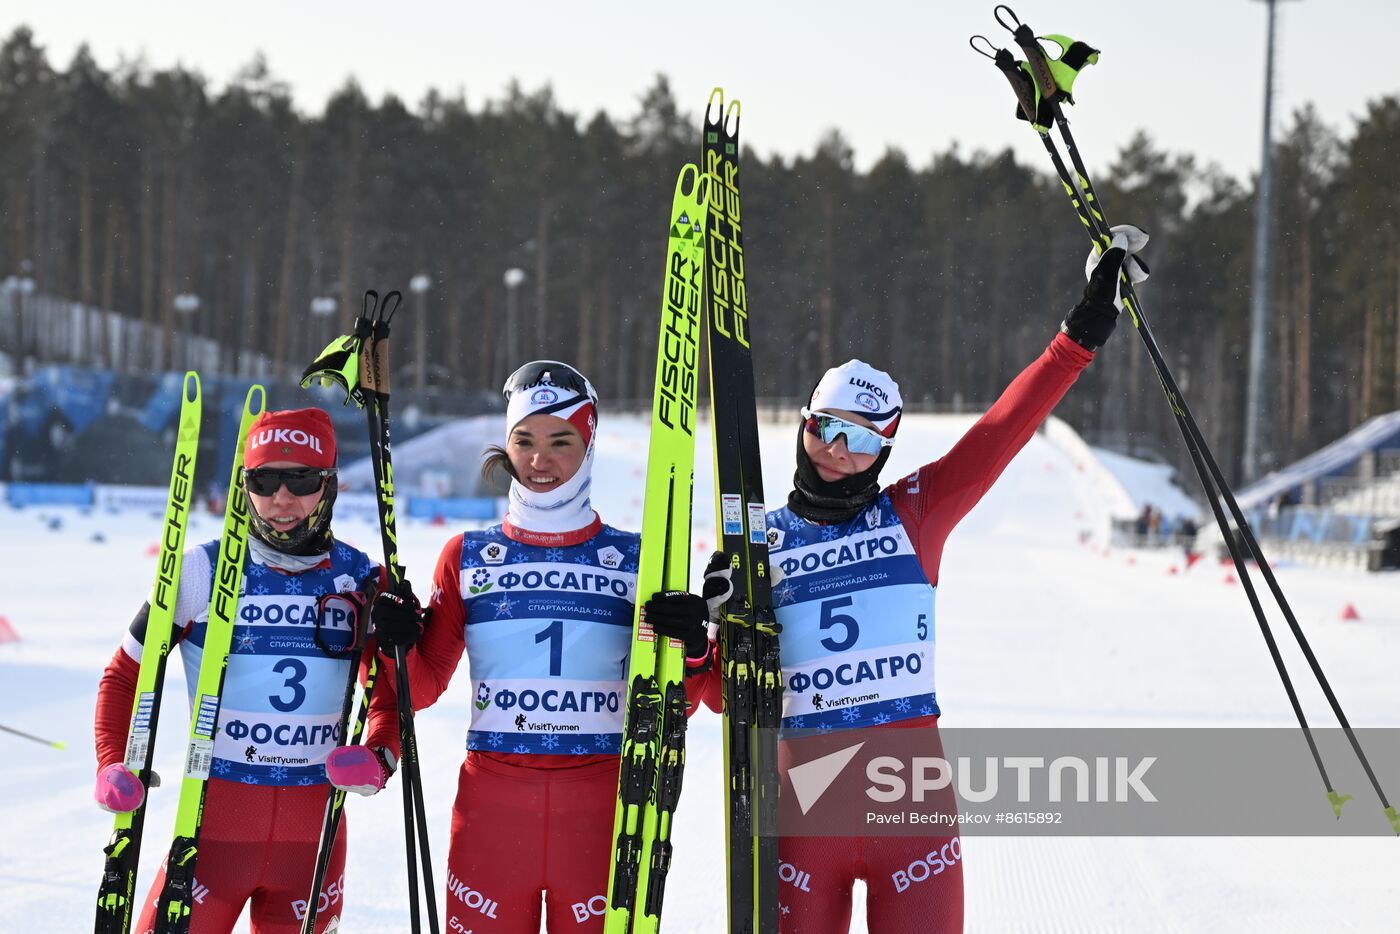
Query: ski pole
column 358, row 363
column 335, row 800
column 381, row 461
column 55, row 743
column 1045, row 107
column 1051, row 82
column 339, row 363
column 1059, row 73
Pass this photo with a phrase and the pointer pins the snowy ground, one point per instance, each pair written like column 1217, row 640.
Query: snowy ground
column 1037, row 626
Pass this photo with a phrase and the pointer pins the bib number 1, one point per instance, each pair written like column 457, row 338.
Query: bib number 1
column 554, row 635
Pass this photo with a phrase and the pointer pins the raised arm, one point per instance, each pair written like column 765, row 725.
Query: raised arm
column 934, row 499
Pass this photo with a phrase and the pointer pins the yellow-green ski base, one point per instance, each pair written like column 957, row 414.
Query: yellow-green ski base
column 641, row 831
column 172, row 913
column 116, row 893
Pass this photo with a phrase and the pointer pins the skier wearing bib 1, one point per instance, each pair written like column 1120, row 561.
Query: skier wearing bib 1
column 282, row 694
column 877, row 600
column 542, row 604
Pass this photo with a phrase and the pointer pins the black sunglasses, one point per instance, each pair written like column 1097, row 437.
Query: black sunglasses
column 299, row 481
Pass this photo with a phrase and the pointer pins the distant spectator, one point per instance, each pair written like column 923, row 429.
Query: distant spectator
column 1286, row 500
column 1186, row 535
column 1144, row 522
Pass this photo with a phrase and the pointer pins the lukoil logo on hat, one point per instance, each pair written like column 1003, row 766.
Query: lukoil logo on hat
column 303, row 436
column 285, row 437
column 856, row 386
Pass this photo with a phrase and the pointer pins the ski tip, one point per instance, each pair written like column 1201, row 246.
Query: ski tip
column 731, row 118
column 714, row 111
column 192, row 383
column 688, row 183
column 256, row 403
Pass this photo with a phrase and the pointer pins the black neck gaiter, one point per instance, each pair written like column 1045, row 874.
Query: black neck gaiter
column 817, row 500
column 310, row 536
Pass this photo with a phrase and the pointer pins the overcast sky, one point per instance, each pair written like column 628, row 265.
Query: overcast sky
column 885, row 73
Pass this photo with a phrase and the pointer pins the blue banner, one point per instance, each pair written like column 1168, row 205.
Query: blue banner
column 79, row 394
column 164, row 402
column 232, row 395
column 464, row 507
column 50, row 494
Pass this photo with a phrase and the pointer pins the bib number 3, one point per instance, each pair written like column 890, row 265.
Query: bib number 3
column 297, row 669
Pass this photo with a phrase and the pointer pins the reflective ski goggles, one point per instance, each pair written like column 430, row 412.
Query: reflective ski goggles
column 859, row 439
column 299, row 481
column 549, row 373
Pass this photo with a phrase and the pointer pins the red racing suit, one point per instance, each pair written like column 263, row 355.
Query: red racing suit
column 929, row 504
column 543, row 617
column 262, row 822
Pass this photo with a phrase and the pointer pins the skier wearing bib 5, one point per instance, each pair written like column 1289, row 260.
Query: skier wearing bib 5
column 542, row 604
column 294, row 632
column 877, row 601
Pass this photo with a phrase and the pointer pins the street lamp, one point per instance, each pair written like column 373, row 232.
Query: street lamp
column 16, row 290
column 322, row 308
column 186, row 304
column 419, row 285
column 514, row 279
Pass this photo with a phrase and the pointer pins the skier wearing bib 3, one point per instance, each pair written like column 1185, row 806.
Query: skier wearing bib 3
column 878, row 599
column 543, row 605
column 282, row 693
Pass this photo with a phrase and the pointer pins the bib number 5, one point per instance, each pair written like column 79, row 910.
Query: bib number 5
column 850, row 629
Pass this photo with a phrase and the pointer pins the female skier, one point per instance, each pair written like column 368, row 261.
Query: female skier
column 542, row 604
column 282, row 695
column 869, row 594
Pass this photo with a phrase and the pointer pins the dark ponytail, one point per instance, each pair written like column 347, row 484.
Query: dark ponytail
column 494, row 462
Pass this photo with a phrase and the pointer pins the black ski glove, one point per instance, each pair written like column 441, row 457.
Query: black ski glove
column 398, row 618
column 681, row 615
column 1090, row 322
column 686, row 616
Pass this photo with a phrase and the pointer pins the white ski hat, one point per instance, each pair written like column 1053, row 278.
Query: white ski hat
column 856, row 386
column 552, row 388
